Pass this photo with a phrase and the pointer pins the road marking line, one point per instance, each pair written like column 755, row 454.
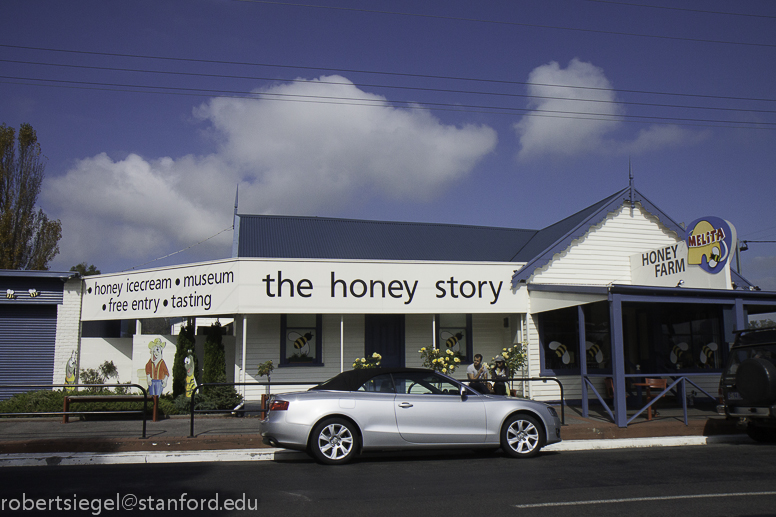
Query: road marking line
column 641, row 499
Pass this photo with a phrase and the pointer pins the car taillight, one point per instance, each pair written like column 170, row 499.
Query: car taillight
column 278, row 405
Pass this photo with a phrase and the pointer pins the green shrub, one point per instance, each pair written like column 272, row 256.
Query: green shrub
column 34, row 402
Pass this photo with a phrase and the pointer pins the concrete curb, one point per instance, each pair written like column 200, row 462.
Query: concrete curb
column 630, row 443
column 135, row 457
column 267, row 454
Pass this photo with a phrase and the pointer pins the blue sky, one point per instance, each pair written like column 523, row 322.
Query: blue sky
column 500, row 113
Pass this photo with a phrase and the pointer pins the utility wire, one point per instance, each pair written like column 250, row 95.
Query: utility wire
column 180, row 251
column 386, row 86
column 514, row 24
column 378, row 72
column 355, row 101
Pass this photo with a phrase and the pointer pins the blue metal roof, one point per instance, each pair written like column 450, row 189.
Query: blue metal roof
column 272, row 236
column 269, row 236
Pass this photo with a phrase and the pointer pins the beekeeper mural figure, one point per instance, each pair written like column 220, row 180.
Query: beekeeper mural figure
column 156, row 369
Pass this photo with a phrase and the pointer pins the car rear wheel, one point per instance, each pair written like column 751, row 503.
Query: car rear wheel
column 522, row 436
column 761, row 434
column 334, row 441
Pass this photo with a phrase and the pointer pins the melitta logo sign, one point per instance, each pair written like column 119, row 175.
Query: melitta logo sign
column 709, row 242
column 254, row 286
column 702, row 260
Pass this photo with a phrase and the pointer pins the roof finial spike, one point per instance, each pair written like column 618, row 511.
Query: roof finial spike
column 630, row 183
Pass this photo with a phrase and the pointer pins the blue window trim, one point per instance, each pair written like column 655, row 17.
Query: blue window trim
column 318, row 344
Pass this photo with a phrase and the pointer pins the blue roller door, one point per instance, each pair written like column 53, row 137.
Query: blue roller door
column 27, row 341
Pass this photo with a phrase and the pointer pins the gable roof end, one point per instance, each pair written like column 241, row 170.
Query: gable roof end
column 559, row 236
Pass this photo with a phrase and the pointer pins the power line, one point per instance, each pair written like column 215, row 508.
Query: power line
column 355, row 101
column 385, row 73
column 514, row 24
column 671, row 8
column 386, row 86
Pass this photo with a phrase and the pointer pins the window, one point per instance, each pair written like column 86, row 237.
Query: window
column 379, row 383
column 454, row 332
column 421, row 383
column 300, row 340
column 598, row 341
column 691, row 337
column 559, row 334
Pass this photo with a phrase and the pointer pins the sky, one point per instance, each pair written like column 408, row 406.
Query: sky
column 518, row 113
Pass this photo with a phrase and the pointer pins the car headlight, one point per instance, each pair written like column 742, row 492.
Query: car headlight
column 552, row 411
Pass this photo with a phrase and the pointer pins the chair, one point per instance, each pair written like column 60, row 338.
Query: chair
column 659, row 385
column 609, row 385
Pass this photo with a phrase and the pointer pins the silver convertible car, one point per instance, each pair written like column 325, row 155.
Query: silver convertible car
column 404, row 408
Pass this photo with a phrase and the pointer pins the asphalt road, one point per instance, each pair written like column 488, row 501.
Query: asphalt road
column 708, row 480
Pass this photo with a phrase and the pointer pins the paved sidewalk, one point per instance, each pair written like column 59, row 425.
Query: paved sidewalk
column 45, row 441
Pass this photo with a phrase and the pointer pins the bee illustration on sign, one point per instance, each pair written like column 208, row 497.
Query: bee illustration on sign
column 707, row 354
column 452, row 341
column 594, row 352
column 301, row 342
column 561, row 351
column 709, row 242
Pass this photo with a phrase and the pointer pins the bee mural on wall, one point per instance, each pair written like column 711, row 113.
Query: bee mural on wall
column 70, row 370
column 561, row 351
column 677, row 351
column 707, row 354
column 452, row 341
column 301, row 342
column 191, row 379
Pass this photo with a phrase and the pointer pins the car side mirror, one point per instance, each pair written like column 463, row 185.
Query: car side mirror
column 463, row 392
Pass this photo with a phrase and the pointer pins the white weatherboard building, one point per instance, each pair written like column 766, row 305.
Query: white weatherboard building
column 615, row 291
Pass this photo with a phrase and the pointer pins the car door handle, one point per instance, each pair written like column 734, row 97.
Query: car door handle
column 405, row 404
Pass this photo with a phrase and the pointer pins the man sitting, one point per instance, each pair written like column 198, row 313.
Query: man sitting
column 477, row 374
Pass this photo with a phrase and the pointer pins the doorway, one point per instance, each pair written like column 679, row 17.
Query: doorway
column 384, row 334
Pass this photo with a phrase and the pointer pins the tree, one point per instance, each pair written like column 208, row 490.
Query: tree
column 85, row 270
column 217, row 397
column 183, row 347
column 28, row 239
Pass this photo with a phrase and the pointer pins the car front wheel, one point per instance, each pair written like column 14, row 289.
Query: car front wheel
column 522, row 436
column 334, row 441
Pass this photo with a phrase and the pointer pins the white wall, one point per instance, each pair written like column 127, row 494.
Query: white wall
column 602, row 255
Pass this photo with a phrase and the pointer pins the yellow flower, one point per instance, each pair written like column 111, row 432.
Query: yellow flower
column 444, row 370
column 506, row 355
column 423, row 349
column 457, row 360
column 449, row 351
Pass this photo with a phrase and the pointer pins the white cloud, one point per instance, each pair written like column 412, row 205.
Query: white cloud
column 289, row 158
column 582, row 116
